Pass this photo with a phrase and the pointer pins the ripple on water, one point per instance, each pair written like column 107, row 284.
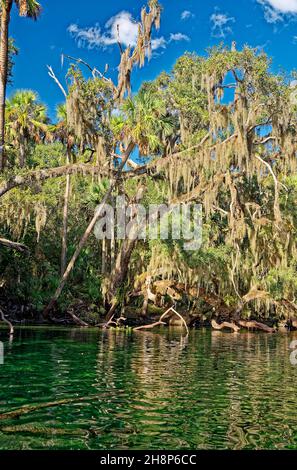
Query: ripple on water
column 152, row 391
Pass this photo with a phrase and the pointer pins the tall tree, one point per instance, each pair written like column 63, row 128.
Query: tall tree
column 30, row 9
column 63, row 133
column 149, row 18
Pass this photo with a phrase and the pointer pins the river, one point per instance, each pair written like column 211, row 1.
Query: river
column 148, row 390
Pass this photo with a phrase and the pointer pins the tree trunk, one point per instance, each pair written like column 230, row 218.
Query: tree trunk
column 103, row 256
column 120, row 270
column 22, row 151
column 65, row 219
column 87, row 233
column 5, row 19
column 65, row 226
column 119, row 274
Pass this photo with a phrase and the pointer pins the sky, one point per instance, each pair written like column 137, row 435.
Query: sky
column 88, row 30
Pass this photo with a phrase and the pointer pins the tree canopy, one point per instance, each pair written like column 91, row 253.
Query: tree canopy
column 219, row 129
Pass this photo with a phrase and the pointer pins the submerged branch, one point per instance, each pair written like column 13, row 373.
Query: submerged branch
column 51, row 404
column 256, row 326
column 225, row 324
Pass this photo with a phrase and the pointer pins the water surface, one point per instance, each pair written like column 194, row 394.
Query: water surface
column 148, row 390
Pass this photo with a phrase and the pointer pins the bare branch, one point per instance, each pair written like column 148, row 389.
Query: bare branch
column 54, row 77
column 93, row 70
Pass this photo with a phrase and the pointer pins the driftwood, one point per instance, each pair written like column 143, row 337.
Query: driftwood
column 51, row 404
column 149, row 327
column 256, row 326
column 170, row 312
column 225, row 324
column 174, row 312
column 2, row 318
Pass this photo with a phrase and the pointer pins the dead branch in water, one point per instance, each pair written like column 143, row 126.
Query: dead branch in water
column 254, row 325
column 149, row 327
column 51, row 404
column 170, row 311
column 225, row 324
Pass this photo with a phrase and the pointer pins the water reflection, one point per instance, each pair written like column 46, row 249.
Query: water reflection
column 150, row 390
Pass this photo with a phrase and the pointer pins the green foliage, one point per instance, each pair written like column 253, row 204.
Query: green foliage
column 47, row 156
column 219, row 130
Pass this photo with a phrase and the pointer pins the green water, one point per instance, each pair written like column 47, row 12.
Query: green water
column 149, row 390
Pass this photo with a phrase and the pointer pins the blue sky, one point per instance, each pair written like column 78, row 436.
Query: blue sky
column 86, row 29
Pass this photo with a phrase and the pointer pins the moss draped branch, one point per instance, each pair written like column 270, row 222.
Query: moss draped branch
column 28, row 179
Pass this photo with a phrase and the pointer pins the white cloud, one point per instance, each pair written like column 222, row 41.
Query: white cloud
column 93, row 37
column 284, row 6
column 186, row 15
column 275, row 10
column 120, row 27
column 178, row 37
column 221, row 24
column 158, row 43
column 272, row 16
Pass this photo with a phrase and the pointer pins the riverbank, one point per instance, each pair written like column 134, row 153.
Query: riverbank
column 209, row 314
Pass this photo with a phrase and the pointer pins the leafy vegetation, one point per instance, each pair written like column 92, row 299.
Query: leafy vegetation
column 219, row 130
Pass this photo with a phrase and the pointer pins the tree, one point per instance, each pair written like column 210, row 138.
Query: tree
column 27, row 8
column 77, row 115
column 147, row 122
column 219, row 130
column 26, row 121
column 62, row 132
column 148, row 125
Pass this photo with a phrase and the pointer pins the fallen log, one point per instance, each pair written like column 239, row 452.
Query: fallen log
column 149, row 327
column 254, row 325
column 225, row 324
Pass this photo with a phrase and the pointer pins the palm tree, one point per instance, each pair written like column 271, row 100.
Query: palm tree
column 26, row 121
column 147, row 121
column 30, row 9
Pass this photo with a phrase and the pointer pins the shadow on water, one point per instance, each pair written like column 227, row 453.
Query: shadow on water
column 158, row 390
